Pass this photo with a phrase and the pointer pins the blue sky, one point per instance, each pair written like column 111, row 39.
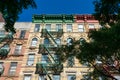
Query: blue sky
column 58, row 7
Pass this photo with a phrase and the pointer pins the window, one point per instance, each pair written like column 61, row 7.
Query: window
column 56, row 57
column 48, row 27
column 22, row 34
column 18, row 49
column 1, row 68
column 30, row 60
column 58, row 26
column 91, row 26
column 58, row 41
column 13, row 67
column 80, row 28
column 34, row 42
column 37, row 28
column 71, row 77
column 82, row 40
column 44, row 58
column 42, row 77
column 6, row 46
column 71, row 61
column 69, row 41
column 56, row 77
column 69, row 27
column 46, row 41
column 2, row 32
column 27, row 77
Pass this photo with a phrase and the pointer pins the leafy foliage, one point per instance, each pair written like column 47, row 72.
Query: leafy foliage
column 10, row 10
column 107, row 11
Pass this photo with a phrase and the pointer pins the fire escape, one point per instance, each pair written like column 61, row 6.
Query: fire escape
column 5, row 40
column 53, row 64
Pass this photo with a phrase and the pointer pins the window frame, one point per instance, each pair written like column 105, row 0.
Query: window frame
column 80, row 28
column 37, row 28
column 69, row 28
column 13, row 67
column 29, row 60
column 34, row 42
column 18, row 49
column 22, row 34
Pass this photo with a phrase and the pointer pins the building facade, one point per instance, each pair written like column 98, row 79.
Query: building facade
column 32, row 51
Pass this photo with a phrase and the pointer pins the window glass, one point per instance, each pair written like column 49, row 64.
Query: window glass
column 69, row 27
column 1, row 67
column 34, row 42
column 56, row 77
column 58, row 26
column 58, row 41
column 91, row 26
column 44, row 58
column 48, row 27
column 69, row 41
column 27, row 77
column 37, row 28
column 80, row 28
column 30, row 59
column 42, row 77
column 71, row 77
column 22, row 34
column 13, row 67
column 18, row 49
column 46, row 41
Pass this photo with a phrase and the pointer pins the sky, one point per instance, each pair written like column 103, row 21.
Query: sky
column 58, row 7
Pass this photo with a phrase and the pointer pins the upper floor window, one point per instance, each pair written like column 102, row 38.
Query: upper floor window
column 69, row 27
column 56, row 77
column 80, row 28
column 42, row 77
column 69, row 41
column 58, row 41
column 58, row 26
column 48, row 27
column 22, row 34
column 46, row 41
column 71, row 77
column 2, row 32
column 44, row 58
column 37, row 28
column 30, row 60
column 27, row 77
column 6, row 46
column 34, row 42
column 1, row 67
column 91, row 26
column 18, row 49
column 13, row 67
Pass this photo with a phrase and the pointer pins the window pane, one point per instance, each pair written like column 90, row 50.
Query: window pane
column 30, row 59
column 18, row 49
column 58, row 41
column 48, row 27
column 91, row 26
column 58, row 26
column 22, row 34
column 69, row 27
column 34, row 42
column 27, row 77
column 46, row 41
column 37, row 28
column 42, row 77
column 56, row 77
column 80, row 28
column 71, row 77
column 44, row 58
column 1, row 67
column 69, row 41
column 13, row 67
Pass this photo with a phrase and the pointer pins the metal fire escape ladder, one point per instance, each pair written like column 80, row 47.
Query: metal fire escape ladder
column 51, row 36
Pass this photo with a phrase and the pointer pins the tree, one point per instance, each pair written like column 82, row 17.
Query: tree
column 103, row 50
column 10, row 10
column 107, row 11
